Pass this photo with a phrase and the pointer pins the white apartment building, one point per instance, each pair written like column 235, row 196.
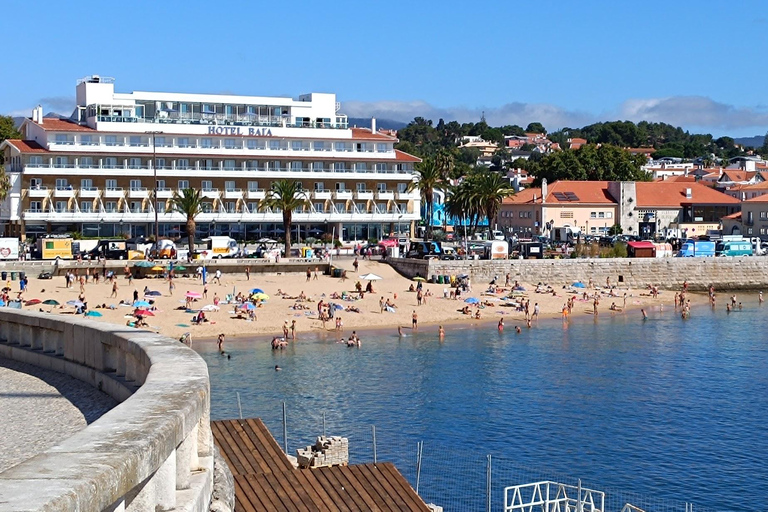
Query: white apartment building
column 95, row 173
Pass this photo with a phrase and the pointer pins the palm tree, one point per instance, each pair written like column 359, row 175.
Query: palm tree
column 285, row 195
column 190, row 204
column 491, row 189
column 428, row 177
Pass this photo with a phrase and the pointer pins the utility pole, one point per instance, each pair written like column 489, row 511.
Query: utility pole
column 154, row 198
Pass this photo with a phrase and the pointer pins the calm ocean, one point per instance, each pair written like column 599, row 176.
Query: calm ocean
column 667, row 408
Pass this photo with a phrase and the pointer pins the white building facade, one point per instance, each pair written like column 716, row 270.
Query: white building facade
column 95, row 173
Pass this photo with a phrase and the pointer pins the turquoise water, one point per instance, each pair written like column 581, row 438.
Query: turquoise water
column 669, row 408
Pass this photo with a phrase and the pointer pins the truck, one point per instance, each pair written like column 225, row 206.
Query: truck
column 496, row 250
column 54, row 248
column 110, row 250
column 220, row 247
column 565, row 234
column 696, row 248
column 733, row 245
column 164, row 249
column 9, row 248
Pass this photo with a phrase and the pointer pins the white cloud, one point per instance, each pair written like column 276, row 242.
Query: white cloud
column 690, row 112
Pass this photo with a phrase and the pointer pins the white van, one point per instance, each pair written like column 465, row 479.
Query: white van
column 221, row 247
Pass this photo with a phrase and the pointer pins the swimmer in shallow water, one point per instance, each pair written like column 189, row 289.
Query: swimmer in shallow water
column 441, row 332
column 645, row 315
column 501, row 324
column 400, row 331
column 277, row 368
column 517, row 329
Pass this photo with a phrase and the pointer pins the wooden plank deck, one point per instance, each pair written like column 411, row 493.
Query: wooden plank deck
column 266, row 480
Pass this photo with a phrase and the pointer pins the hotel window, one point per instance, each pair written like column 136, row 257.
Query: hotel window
column 160, row 206
column 135, row 141
column 182, row 163
column 340, row 207
column 319, row 207
column 183, row 184
column 296, row 166
column 62, row 138
column 135, row 206
column 183, row 142
column 361, row 207
column 35, row 183
column 206, row 142
column 160, row 184
column 110, row 207
column 365, row 147
column 380, row 167
column 381, row 148
column 274, row 145
column 207, row 207
column 319, row 186
column 161, row 164
column 160, row 142
column 601, row 215
column 229, row 165
column 340, row 166
column 320, row 146
column 402, row 188
column 360, row 187
column 206, row 185
column 228, row 109
column 361, row 167
column 86, row 206
column 231, row 206
column 35, row 206
column 61, row 206
column 318, row 166
column 135, row 185
column 380, row 208
column 340, row 186
column 135, row 163
column 253, row 207
column 206, row 165
column 110, row 162
column 296, row 145
column 593, row 215
column 111, row 184
column 381, row 187
column 87, row 140
column 343, row 146
column 276, row 166
column 35, row 161
column 86, row 184
column 229, row 186
column 252, row 165
column 61, row 161
column 62, row 184
column 763, row 215
column 230, row 144
column 253, row 186
column 86, row 162
column 402, row 207
column 110, row 140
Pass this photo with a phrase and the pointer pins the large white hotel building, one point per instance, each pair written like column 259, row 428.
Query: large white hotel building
column 95, row 173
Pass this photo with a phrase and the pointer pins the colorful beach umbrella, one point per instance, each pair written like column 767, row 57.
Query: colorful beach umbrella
column 158, row 268
column 33, row 302
column 419, row 278
column 141, row 304
column 144, row 264
column 371, row 277
column 75, row 303
column 51, row 302
column 260, row 296
column 257, row 290
column 143, row 312
column 180, row 268
column 93, row 313
column 194, row 295
column 247, row 305
column 471, row 300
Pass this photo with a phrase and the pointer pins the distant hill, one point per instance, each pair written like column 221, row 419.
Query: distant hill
column 20, row 119
column 382, row 124
column 754, row 142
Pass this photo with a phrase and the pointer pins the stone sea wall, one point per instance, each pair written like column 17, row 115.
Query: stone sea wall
column 736, row 273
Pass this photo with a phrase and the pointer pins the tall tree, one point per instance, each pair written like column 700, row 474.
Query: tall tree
column 491, row 189
column 8, row 129
column 429, row 176
column 286, row 196
column 190, row 204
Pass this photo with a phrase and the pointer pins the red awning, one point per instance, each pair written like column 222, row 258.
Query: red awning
column 641, row 245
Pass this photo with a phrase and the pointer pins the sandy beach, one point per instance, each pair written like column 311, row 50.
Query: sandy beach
column 169, row 320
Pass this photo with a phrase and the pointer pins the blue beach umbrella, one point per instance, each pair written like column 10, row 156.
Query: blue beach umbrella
column 471, row 300
column 141, row 304
column 248, row 305
column 93, row 313
column 257, row 290
column 578, row 284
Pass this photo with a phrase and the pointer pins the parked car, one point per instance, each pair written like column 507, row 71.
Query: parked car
column 425, row 250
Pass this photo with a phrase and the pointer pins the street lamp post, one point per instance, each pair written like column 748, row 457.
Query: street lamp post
column 154, row 198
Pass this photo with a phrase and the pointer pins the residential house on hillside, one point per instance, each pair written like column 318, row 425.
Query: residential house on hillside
column 576, row 143
column 754, row 218
column 487, row 149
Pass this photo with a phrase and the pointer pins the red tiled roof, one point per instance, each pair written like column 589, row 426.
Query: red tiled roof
column 673, row 194
column 525, row 196
column 63, row 125
column 587, row 192
column 401, row 156
column 365, row 133
column 27, row 146
column 759, row 199
column 733, row 216
column 737, row 175
column 687, row 179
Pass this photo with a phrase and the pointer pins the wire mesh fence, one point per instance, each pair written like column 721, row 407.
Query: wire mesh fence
column 455, row 479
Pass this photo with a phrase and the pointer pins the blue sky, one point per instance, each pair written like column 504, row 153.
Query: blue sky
column 698, row 64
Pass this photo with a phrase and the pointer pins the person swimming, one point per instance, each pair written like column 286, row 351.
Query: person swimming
column 518, row 330
column 501, row 324
column 441, row 332
column 645, row 315
column 277, row 368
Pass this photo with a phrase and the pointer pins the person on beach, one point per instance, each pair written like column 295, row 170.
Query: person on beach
column 536, row 311
column 247, row 273
column 285, row 329
column 217, row 277
column 355, row 264
column 501, row 325
column 293, row 330
column 220, row 343
column 114, row 290
column 317, row 269
column 760, row 297
column 309, row 274
column 415, row 321
column 171, row 286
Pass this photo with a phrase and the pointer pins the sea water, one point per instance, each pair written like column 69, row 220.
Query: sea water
column 664, row 407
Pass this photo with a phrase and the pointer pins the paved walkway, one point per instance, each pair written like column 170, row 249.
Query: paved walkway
column 39, row 408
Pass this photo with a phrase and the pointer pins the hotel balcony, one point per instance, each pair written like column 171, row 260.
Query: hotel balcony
column 259, row 193
column 211, row 193
column 344, row 195
column 233, row 193
column 64, row 192
column 138, row 193
column 88, row 192
column 114, row 193
column 321, row 194
column 385, row 195
column 404, row 196
column 364, row 194
column 164, row 193
column 38, row 192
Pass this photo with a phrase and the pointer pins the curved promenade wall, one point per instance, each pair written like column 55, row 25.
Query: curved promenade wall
column 735, row 273
column 154, row 451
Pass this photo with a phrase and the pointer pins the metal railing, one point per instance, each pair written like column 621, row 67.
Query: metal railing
column 549, row 496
